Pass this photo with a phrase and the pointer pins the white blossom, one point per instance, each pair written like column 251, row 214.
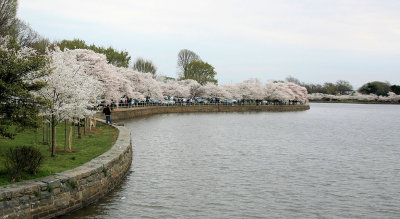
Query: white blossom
column 69, row 90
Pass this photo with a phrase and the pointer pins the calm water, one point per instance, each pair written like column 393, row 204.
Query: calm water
column 335, row 160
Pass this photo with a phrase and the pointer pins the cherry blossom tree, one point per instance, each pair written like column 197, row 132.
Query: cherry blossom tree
column 211, row 90
column 173, row 88
column 191, row 88
column 233, row 90
column 251, row 89
column 315, row 96
column 391, row 97
column 149, row 87
column 278, row 92
column 300, row 93
column 115, row 79
column 69, row 90
column 355, row 96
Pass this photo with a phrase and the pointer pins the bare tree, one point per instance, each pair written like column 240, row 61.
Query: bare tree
column 293, row 80
column 18, row 29
column 344, row 87
column 185, row 57
column 25, row 34
column 8, row 11
column 145, row 66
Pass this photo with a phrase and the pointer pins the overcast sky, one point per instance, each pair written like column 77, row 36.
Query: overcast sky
column 313, row 40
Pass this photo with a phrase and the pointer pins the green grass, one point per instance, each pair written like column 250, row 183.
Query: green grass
column 91, row 145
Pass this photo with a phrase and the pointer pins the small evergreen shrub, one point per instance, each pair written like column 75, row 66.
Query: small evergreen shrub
column 22, row 159
column 34, row 159
column 14, row 163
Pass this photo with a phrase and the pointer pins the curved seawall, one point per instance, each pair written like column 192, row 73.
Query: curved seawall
column 69, row 190
column 129, row 113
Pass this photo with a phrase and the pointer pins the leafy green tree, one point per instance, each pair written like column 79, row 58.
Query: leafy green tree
column 19, row 67
column 41, row 45
column 376, row 87
column 395, row 89
column 201, row 72
column 72, row 44
column 330, row 88
column 145, row 66
column 117, row 58
column 343, row 87
column 185, row 57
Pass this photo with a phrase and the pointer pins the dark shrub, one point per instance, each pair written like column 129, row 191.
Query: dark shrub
column 22, row 159
column 34, row 158
column 15, row 163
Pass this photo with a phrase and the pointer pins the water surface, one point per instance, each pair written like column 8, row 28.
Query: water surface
column 334, row 160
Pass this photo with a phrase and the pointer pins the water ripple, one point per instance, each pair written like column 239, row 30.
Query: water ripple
column 333, row 161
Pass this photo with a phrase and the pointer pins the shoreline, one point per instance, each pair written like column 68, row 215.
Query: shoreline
column 73, row 189
column 353, row 102
column 119, row 114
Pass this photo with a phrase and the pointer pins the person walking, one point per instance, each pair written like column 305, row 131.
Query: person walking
column 107, row 112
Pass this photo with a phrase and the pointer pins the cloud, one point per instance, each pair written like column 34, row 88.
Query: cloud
column 338, row 25
column 311, row 39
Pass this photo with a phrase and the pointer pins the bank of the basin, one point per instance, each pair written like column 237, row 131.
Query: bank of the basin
column 70, row 190
column 353, row 102
column 129, row 113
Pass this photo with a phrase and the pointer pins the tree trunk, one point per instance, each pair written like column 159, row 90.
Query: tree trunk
column 94, row 118
column 48, row 133
column 84, row 125
column 53, row 135
column 43, row 128
column 79, row 128
column 70, row 138
column 65, row 129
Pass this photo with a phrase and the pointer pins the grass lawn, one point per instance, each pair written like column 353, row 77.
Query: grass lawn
column 92, row 144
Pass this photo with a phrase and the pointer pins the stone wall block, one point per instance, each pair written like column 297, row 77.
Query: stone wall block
column 23, row 200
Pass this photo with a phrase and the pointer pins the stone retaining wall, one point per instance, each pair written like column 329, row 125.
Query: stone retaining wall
column 121, row 114
column 70, row 190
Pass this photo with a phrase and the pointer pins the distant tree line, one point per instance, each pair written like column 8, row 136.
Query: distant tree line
column 117, row 58
column 342, row 87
